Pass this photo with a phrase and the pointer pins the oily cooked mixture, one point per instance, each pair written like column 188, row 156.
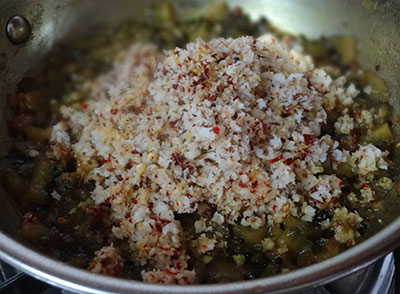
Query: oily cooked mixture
column 222, row 160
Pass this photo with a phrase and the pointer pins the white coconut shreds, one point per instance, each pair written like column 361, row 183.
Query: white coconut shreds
column 107, row 261
column 234, row 123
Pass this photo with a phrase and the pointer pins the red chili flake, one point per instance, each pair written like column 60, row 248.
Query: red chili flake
column 264, row 128
column 207, row 73
column 184, row 279
column 216, row 130
column 276, row 159
column 134, row 152
column 162, row 248
column 168, row 271
column 111, row 169
column 163, row 220
column 211, row 98
column 308, row 139
column 243, row 185
column 274, row 207
column 178, row 158
column 84, row 106
column 64, row 149
column 288, row 161
column 254, row 41
column 106, row 160
column 128, row 214
column 97, row 211
column 114, row 111
column 158, row 117
column 134, row 201
column 365, row 185
column 179, row 265
column 172, row 123
column 179, row 77
column 130, row 220
column 322, row 85
column 254, row 184
column 82, row 182
column 267, row 184
column 159, row 227
column 231, row 180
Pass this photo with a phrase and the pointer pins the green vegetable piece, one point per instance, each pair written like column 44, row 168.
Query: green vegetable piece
column 385, row 183
column 27, row 102
column 79, row 261
column 14, row 184
column 346, row 47
column 32, row 230
column 368, row 4
column 73, row 97
column 221, row 270
column 199, row 31
column 305, row 257
column 294, row 239
column 382, row 113
column 268, row 244
column 207, row 259
column 315, row 48
column 239, row 259
column 380, row 134
column 377, row 84
column 163, row 13
column 37, row 193
column 331, row 249
column 37, row 134
column 217, row 12
column 345, row 170
column 327, row 165
column 249, row 235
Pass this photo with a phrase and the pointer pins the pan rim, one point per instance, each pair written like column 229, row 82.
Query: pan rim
column 68, row 277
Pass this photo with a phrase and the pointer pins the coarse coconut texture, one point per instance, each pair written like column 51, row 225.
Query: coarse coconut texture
column 233, row 123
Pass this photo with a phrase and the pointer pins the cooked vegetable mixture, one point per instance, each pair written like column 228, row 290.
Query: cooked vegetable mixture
column 219, row 160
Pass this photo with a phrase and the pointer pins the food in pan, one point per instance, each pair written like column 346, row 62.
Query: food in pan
column 220, row 160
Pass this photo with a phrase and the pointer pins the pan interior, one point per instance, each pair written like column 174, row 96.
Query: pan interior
column 375, row 28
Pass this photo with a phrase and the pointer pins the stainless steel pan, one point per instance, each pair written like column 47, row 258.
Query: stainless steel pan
column 377, row 29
